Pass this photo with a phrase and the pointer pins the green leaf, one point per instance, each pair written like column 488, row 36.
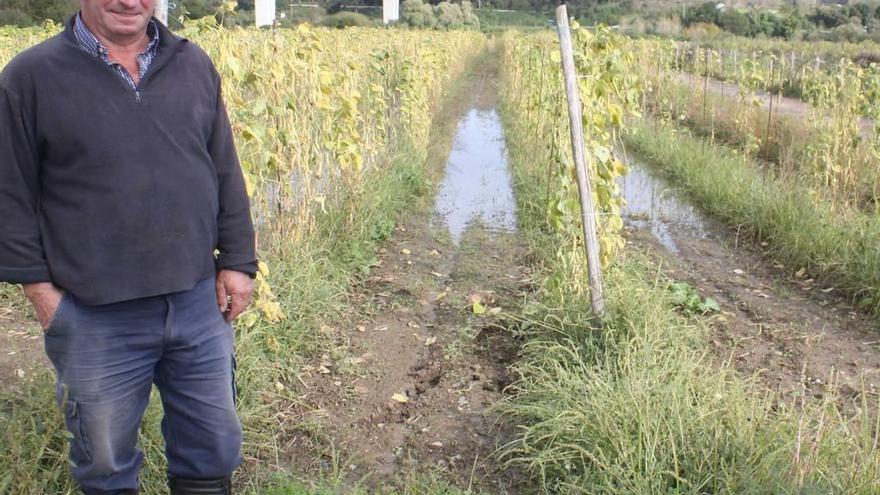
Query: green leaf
column 479, row 309
column 710, row 306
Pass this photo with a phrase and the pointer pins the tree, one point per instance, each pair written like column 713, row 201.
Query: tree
column 14, row 17
column 707, row 13
column 417, row 14
column 40, row 10
column 470, row 19
column 735, row 22
column 828, row 18
column 449, row 15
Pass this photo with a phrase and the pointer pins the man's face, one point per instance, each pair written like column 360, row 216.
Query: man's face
column 116, row 19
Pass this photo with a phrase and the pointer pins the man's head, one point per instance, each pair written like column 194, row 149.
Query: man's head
column 117, row 20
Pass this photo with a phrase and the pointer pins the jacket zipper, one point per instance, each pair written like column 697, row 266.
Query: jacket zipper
column 157, row 65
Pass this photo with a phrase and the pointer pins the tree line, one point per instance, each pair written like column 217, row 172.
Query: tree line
column 851, row 22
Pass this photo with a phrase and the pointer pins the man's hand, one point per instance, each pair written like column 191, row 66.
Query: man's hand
column 234, row 291
column 45, row 298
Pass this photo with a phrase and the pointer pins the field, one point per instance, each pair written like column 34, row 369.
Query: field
column 422, row 320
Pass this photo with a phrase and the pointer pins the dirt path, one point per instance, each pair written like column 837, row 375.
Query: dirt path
column 782, row 105
column 800, row 338
column 424, row 356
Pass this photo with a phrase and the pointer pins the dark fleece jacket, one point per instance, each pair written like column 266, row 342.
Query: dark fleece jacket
column 114, row 194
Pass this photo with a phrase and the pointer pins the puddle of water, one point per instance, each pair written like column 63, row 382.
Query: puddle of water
column 652, row 205
column 476, row 184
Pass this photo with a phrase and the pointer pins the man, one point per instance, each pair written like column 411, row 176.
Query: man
column 126, row 220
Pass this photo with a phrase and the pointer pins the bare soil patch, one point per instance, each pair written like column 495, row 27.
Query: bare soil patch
column 799, row 338
column 21, row 343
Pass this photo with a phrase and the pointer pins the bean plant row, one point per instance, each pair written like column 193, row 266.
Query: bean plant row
column 833, row 147
column 314, row 112
column 608, row 91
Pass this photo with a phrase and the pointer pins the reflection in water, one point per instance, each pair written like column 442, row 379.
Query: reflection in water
column 651, row 205
column 476, row 184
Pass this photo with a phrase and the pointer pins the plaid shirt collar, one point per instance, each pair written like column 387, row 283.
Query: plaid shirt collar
column 90, row 44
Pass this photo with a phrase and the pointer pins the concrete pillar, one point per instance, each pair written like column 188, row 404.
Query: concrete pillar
column 390, row 10
column 264, row 12
column 160, row 11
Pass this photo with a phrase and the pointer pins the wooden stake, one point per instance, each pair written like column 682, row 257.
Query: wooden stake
column 160, row 10
column 705, row 82
column 588, row 215
column 770, row 112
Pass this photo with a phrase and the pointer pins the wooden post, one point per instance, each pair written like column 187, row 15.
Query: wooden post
column 692, row 55
column 588, row 215
column 160, row 10
column 769, row 113
column 705, row 82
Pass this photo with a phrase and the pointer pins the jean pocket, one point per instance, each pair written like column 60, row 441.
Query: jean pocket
column 79, row 451
column 57, row 319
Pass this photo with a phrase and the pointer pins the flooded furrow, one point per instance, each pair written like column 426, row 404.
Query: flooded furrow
column 653, row 206
column 423, row 368
column 476, row 184
column 795, row 334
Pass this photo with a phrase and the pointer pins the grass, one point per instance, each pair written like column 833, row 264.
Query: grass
column 416, row 485
column 637, row 406
column 841, row 250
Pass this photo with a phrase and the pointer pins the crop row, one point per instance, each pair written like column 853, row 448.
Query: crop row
column 534, row 90
column 315, row 110
column 831, row 147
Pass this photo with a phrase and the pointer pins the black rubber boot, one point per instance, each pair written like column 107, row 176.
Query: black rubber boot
column 183, row 486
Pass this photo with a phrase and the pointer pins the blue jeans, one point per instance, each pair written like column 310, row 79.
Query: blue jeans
column 106, row 360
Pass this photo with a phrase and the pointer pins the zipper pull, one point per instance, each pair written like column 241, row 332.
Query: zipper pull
column 137, row 96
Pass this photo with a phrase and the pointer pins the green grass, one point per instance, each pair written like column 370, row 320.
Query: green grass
column 843, row 251
column 638, row 407
column 422, row 484
column 12, row 297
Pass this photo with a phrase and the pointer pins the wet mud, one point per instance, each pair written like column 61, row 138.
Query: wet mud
column 800, row 339
column 655, row 208
column 425, row 352
column 476, row 183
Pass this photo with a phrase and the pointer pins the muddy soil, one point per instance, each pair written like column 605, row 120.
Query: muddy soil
column 424, row 354
column 801, row 339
